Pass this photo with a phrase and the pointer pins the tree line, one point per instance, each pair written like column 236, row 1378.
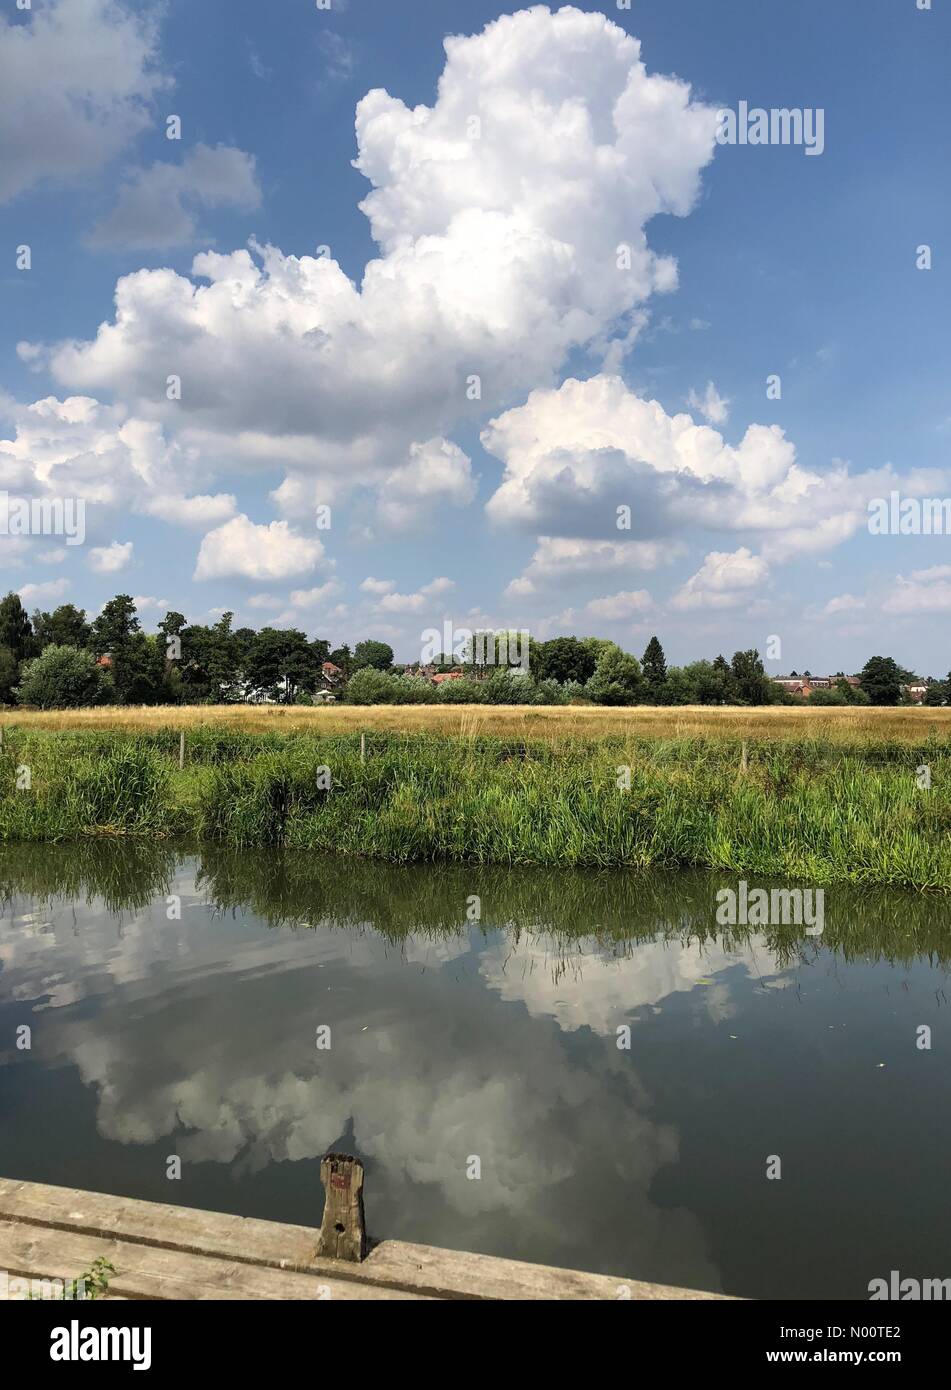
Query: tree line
column 59, row 660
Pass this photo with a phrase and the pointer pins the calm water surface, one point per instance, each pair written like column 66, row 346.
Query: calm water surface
column 155, row 1034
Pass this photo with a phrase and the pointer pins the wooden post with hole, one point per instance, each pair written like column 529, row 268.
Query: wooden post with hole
column 181, row 749
column 342, row 1231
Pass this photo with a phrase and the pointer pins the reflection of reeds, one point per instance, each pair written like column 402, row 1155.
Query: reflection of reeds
column 126, row 875
column 806, row 811
column 573, row 910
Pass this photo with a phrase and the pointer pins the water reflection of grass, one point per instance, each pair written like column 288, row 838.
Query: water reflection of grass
column 611, row 911
column 810, row 811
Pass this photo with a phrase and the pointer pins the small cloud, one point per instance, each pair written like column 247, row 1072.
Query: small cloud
column 615, row 607
column 157, row 207
column 714, row 408
column 109, row 559
column 338, row 56
column 41, row 593
column 843, row 603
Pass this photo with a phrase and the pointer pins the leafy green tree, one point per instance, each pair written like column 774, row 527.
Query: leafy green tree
column 654, row 665
column 342, row 657
column 16, row 631
column 369, row 686
column 66, row 626
column 564, row 659
column 503, row 649
column 881, row 679
column 281, row 661
column 115, row 625
column 826, row 697
column 379, row 655
column 63, row 678
column 753, row 686
column 937, row 693
column 617, row 679
column 136, row 660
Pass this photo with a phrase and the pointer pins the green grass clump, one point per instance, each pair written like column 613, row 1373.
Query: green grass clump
column 813, row 812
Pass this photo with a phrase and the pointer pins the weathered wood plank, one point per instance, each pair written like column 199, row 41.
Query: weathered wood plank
column 390, row 1265
column 150, row 1272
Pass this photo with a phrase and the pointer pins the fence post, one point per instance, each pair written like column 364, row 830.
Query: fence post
column 342, row 1231
column 363, row 748
column 744, row 759
column 181, row 749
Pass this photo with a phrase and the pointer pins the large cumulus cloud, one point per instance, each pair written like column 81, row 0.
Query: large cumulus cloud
column 491, row 264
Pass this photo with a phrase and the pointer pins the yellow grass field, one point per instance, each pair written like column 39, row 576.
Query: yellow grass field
column 841, row 724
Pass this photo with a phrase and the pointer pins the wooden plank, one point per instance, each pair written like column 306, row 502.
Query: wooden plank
column 391, row 1264
column 159, row 1223
column 150, row 1272
column 459, row 1274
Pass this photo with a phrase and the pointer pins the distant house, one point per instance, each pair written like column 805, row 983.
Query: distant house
column 915, row 690
column 429, row 673
column 331, row 678
column 104, row 660
column 806, row 684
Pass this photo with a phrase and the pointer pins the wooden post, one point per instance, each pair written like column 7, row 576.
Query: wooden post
column 363, row 748
column 744, row 760
column 342, row 1231
column 181, row 749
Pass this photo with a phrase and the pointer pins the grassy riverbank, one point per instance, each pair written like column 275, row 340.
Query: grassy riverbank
column 811, row 810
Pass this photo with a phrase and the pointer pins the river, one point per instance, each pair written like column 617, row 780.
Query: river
column 175, row 1000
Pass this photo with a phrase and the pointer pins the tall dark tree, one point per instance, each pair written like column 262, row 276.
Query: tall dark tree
column 564, row 659
column 66, row 626
column 135, row 658
column 881, row 679
column 16, row 631
column 379, row 655
column 9, row 675
column 281, row 661
column 654, row 667
column 937, row 693
column 115, row 625
column 753, row 686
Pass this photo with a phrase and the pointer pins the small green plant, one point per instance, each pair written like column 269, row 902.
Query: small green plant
column 92, row 1284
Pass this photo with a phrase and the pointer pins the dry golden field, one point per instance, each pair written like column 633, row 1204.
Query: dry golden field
column 845, row 724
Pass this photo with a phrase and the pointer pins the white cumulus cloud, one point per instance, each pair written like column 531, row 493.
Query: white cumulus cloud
column 109, row 559
column 240, row 548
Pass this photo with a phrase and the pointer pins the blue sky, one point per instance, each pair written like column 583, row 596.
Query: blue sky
column 494, row 255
